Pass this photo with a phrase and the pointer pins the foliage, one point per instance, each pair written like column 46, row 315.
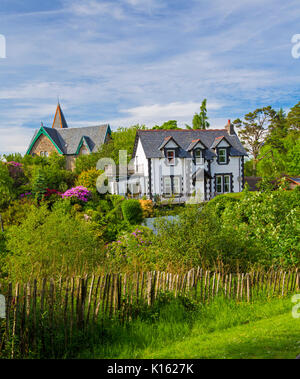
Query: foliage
column 39, row 185
column 88, row 179
column 168, row 125
column 131, row 251
column 200, row 121
column 253, row 133
column 293, row 117
column 53, row 243
column 6, row 186
column 147, row 207
column 132, row 211
column 77, row 193
column 17, row 212
column 248, row 168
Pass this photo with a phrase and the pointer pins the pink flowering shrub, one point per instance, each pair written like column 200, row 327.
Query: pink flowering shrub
column 78, row 193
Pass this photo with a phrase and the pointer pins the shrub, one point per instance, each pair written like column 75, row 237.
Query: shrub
column 88, row 179
column 132, row 211
column 39, row 185
column 147, row 207
column 50, row 244
column 6, row 186
column 132, row 251
column 78, row 193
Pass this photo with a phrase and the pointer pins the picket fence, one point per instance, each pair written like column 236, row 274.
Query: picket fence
column 35, row 311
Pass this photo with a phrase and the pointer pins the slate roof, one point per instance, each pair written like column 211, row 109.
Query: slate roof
column 152, row 140
column 59, row 121
column 68, row 139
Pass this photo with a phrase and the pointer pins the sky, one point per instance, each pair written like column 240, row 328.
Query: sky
column 125, row 62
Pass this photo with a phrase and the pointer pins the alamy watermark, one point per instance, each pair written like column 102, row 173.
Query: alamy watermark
column 2, row 46
column 296, row 48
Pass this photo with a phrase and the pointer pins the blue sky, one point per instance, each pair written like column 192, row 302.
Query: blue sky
column 142, row 61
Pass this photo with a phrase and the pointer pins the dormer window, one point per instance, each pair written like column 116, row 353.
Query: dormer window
column 171, row 157
column 222, row 156
column 198, row 156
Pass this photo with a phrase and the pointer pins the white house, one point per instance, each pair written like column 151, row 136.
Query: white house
column 184, row 164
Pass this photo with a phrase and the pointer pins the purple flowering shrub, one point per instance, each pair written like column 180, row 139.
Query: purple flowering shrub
column 132, row 250
column 78, row 193
column 26, row 195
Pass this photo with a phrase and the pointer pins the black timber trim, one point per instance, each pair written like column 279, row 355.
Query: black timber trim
column 150, row 178
column 135, row 145
column 243, row 172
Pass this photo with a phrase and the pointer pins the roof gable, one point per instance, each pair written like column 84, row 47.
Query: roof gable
column 168, row 141
column 50, row 135
column 218, row 140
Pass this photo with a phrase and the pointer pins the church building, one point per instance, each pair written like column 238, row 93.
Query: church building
column 70, row 142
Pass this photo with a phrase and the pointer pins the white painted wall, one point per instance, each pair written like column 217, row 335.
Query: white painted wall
column 183, row 168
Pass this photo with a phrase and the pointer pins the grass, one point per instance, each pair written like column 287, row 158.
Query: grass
column 222, row 329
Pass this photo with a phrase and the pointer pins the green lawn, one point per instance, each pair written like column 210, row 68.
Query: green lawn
column 221, row 329
column 276, row 338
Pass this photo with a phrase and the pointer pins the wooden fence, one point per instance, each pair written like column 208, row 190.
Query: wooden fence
column 36, row 312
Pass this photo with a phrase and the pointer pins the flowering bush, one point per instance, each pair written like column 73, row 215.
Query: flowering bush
column 80, row 193
column 25, row 195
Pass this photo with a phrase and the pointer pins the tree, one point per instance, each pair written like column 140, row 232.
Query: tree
column 39, row 185
column 169, row 125
column 200, row 119
column 278, row 129
column 293, row 117
column 6, row 185
column 254, row 130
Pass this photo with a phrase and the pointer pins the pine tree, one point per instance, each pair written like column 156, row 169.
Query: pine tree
column 39, row 186
column 200, row 120
column 293, row 117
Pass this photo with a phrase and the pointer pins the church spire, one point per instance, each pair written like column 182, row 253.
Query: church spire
column 59, row 119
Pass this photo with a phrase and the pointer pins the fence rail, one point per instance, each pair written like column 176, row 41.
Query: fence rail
column 36, row 310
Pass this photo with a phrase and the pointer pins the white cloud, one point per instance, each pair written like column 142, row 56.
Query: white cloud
column 95, row 8
column 15, row 139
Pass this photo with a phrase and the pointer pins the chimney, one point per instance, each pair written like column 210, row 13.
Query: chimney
column 230, row 128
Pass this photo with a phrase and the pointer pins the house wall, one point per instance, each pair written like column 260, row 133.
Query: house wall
column 42, row 144
column 183, row 168
column 70, row 162
column 140, row 158
column 234, row 167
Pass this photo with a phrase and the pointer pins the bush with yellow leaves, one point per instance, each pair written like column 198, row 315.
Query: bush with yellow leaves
column 147, row 207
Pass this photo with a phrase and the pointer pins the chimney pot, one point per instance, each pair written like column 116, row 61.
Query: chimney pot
column 230, row 128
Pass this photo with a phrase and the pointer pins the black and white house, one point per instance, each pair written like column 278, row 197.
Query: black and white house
column 184, row 164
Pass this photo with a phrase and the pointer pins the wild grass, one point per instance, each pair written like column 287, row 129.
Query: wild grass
column 181, row 329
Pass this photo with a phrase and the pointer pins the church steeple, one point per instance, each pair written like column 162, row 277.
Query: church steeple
column 59, row 119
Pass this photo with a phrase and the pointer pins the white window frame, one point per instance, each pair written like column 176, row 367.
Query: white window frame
column 176, row 183
column 199, row 160
column 226, row 184
column 169, row 186
column 222, row 156
column 219, row 184
column 171, row 161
